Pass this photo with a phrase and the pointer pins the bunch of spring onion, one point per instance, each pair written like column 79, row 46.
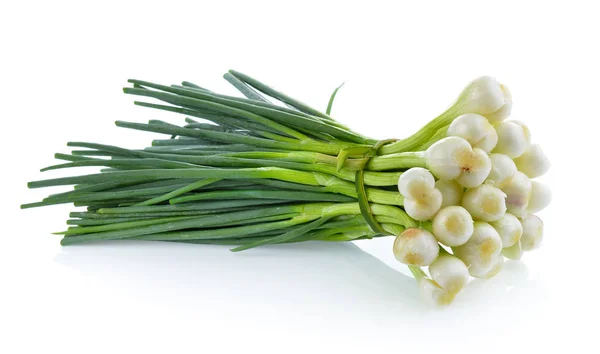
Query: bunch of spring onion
column 457, row 195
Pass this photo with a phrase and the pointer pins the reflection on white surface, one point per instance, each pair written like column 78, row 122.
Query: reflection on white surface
column 319, row 279
column 311, row 275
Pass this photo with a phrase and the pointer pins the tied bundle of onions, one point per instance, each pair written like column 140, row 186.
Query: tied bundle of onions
column 268, row 169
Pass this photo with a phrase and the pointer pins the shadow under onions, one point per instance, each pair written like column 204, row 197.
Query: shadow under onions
column 313, row 278
column 310, row 275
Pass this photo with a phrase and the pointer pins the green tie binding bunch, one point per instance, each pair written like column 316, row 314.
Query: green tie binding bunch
column 457, row 195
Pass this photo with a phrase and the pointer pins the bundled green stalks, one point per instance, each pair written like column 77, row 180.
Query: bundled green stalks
column 268, row 169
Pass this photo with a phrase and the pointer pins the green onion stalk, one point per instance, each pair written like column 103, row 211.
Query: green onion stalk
column 267, row 169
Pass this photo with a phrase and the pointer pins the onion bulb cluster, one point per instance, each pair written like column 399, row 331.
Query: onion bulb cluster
column 475, row 195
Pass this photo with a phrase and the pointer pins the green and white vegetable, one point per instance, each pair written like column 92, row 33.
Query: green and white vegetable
column 265, row 169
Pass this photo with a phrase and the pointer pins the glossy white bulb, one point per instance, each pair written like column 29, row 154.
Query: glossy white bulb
column 452, row 226
column 416, row 247
column 485, row 202
column 424, row 208
column 512, row 139
column 421, row 199
column 481, row 250
column 540, row 198
column 450, row 273
column 518, row 193
column 452, row 192
column 483, row 95
column 413, row 182
column 514, row 252
column 509, row 228
column 533, row 232
column 525, row 128
column 503, row 169
column 533, row 162
column 505, row 110
column 454, row 158
column 475, row 129
column 488, row 272
column 441, row 157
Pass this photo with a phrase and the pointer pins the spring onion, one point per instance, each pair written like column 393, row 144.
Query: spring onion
column 264, row 169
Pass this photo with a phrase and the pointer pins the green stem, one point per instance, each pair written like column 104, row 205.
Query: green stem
column 109, row 195
column 245, row 89
column 122, row 164
column 96, row 222
column 186, row 97
column 204, row 222
column 392, row 228
column 263, row 194
column 440, row 134
column 123, row 225
column 194, row 207
column 402, row 160
column 151, row 175
column 189, row 142
column 202, row 102
column 190, row 187
column 286, row 237
column 310, row 145
column 223, row 225
column 279, row 95
column 424, row 134
column 417, row 272
column 160, row 214
column 330, row 104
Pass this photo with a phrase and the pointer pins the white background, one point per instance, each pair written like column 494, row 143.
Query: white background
column 63, row 65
